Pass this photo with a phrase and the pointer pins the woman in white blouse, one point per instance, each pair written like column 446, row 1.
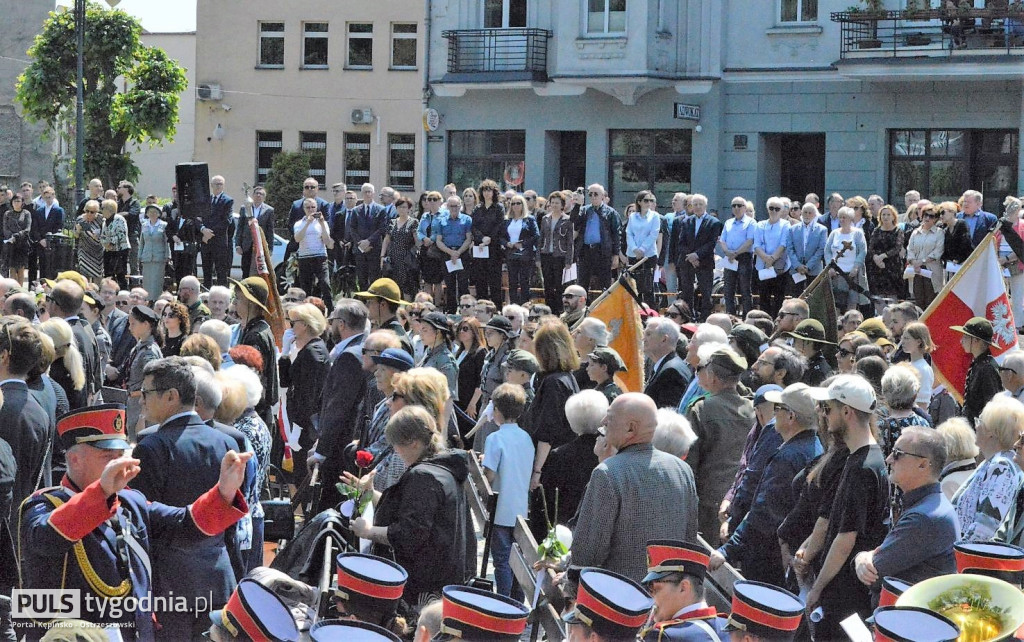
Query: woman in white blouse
column 847, row 246
column 924, row 252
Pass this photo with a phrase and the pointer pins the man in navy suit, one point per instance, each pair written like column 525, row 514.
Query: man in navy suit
column 264, row 215
column 806, row 248
column 830, row 220
column 47, row 219
column 180, row 459
column 216, row 248
column 693, row 254
column 979, row 222
column 669, row 376
column 365, row 231
column 598, row 242
column 116, row 323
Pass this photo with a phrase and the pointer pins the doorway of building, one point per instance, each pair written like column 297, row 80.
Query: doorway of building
column 572, row 160
column 801, row 165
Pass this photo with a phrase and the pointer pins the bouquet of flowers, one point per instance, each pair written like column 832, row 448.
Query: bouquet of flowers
column 357, row 499
column 555, row 546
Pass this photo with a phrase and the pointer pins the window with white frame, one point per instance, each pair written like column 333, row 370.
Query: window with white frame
column 401, row 161
column 360, row 45
column 314, row 144
column 606, row 16
column 314, row 45
column 268, row 145
column 357, row 158
column 798, row 10
column 403, row 45
column 271, row 44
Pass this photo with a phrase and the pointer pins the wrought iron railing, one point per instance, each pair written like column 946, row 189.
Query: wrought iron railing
column 490, row 51
column 930, row 32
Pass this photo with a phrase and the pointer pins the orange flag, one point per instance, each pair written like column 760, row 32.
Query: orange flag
column 621, row 314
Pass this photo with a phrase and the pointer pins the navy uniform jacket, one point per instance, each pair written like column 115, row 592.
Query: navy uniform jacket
column 243, row 235
column 345, row 387
column 683, row 629
column 65, row 530
column 179, row 461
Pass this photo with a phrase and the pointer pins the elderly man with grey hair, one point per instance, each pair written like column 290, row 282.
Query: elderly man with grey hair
column 979, row 222
column 219, row 301
column 568, row 467
column 674, row 435
column 772, row 265
column 221, row 333
column 1011, row 374
column 706, row 334
column 668, row 372
column 590, row 333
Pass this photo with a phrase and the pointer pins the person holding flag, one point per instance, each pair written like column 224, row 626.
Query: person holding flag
column 983, row 380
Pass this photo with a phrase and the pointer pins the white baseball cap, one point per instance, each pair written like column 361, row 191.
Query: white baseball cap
column 795, row 396
column 852, row 390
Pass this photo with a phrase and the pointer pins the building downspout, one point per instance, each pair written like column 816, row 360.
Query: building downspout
column 426, row 96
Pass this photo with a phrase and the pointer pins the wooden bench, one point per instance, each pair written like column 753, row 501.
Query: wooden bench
column 718, row 584
column 483, row 501
column 546, row 613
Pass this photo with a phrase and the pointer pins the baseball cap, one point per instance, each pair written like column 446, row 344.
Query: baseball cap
column 852, row 390
column 795, row 397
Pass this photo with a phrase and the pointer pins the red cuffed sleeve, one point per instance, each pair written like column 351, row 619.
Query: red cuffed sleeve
column 212, row 515
column 81, row 514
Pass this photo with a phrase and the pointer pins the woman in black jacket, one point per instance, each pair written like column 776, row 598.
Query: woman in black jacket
column 958, row 240
column 519, row 238
column 470, row 353
column 488, row 224
column 423, row 520
column 303, row 372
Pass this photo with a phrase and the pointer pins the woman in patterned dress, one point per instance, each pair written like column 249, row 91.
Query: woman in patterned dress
column 114, row 237
column 884, row 263
column 90, row 250
column 401, row 249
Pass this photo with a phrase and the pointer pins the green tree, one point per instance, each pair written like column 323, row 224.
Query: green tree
column 284, row 184
column 146, row 111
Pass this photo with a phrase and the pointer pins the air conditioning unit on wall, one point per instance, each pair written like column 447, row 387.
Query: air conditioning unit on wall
column 362, row 116
column 210, row 92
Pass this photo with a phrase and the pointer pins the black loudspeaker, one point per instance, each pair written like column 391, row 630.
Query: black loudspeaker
column 193, row 181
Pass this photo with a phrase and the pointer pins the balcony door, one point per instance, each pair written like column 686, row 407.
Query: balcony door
column 504, row 51
column 504, row 14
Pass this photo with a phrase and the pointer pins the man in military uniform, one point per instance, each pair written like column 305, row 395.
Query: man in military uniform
column 92, row 533
column 675, row 579
column 251, row 296
column 382, row 299
column 983, row 380
column 808, row 340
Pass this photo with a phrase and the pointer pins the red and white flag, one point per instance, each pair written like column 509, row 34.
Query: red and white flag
column 976, row 290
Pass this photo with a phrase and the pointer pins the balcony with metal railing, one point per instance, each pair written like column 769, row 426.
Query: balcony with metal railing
column 497, row 55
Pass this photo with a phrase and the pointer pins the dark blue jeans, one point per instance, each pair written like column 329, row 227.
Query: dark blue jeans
column 742, row 278
column 519, row 272
column 501, row 548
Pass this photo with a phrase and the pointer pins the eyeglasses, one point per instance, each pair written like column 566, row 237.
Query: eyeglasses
column 781, row 407
column 1005, row 369
column 531, row 198
column 121, row 303
column 146, row 391
column 309, row 187
column 931, row 216
column 569, row 296
column 738, row 205
column 594, row 194
column 788, row 314
column 843, row 352
column 774, row 209
column 897, row 453
column 465, row 306
column 291, row 299
column 673, row 315
column 431, row 199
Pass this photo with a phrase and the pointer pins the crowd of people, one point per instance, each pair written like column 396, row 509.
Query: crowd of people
column 820, row 470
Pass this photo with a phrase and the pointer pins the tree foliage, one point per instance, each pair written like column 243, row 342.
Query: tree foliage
column 144, row 112
column 284, row 184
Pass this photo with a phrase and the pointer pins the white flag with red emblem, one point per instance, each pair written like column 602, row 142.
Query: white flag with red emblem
column 977, row 290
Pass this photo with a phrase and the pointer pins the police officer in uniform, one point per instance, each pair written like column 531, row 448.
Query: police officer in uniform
column 608, row 607
column 93, row 534
column 675, row 578
column 809, row 339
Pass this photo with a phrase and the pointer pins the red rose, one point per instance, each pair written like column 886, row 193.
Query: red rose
column 364, row 458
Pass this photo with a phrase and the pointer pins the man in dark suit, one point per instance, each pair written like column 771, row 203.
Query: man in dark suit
column 337, row 417
column 693, row 254
column 47, row 219
column 64, row 302
column 668, row 378
column 115, row 321
column 979, row 222
column 365, row 231
column 216, row 250
column 24, row 424
column 180, row 460
column 129, row 207
column 264, row 215
column 598, row 241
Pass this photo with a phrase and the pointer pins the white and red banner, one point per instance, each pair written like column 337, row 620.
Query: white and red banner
column 976, row 290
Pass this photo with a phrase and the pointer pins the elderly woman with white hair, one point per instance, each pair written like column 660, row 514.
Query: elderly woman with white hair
column 1008, row 258
column 589, row 334
column 961, row 454
column 568, row 467
column 847, row 246
column 987, row 501
column 900, row 387
column 673, row 435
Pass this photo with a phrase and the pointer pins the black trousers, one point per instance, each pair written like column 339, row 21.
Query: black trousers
column 595, row 269
column 115, row 266
column 705, row 277
column 740, row 278
column 456, row 284
column 184, row 265
column 39, row 263
column 520, row 270
column 247, row 264
column 485, row 275
column 644, row 277
column 313, row 274
column 772, row 292
column 367, row 266
column 551, row 269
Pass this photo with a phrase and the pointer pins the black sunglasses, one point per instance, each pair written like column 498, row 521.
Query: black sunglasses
column 897, row 453
column 774, row 209
column 738, row 205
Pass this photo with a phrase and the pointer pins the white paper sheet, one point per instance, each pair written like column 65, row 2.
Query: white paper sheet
column 799, row 278
column 730, row 265
column 570, row 273
column 293, row 437
column 952, row 267
column 453, row 266
column 657, row 274
column 481, row 252
column 766, row 274
column 925, row 272
column 179, row 247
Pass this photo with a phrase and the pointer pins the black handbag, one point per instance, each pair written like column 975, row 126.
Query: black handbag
column 437, row 254
column 278, row 513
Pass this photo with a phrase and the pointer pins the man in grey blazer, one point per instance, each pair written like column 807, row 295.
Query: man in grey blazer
column 264, row 215
column 634, row 496
column 806, row 248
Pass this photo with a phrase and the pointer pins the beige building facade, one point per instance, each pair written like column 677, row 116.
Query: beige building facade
column 343, row 80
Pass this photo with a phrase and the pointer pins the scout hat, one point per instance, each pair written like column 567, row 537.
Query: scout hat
column 610, row 604
column 253, row 612
column 912, row 624
column 892, row 589
column 665, row 557
column 810, row 330
column 370, row 581
column 728, row 359
column 438, row 321
column 852, row 390
column 522, row 360
column 350, row 631
column 609, row 358
column 473, row 614
column 396, row 358
column 976, row 327
column 69, row 275
column 994, row 559
column 385, row 289
column 873, row 328
column 99, row 426
column 764, row 610
column 254, row 288
column 749, row 338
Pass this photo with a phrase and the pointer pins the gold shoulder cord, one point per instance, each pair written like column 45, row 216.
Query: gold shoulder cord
column 64, row 568
column 88, row 572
